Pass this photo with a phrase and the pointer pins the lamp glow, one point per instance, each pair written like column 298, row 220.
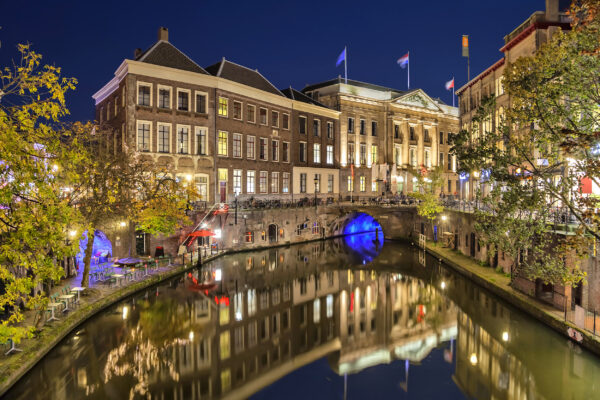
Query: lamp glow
column 505, row 336
column 444, row 218
column 125, row 312
column 123, row 224
column 473, row 359
column 443, row 285
column 218, row 274
column 72, row 233
column 191, row 335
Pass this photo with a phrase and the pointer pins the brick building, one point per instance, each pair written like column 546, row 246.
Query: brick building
column 225, row 127
column 383, row 132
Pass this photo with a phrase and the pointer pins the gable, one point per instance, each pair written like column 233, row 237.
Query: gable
column 417, row 98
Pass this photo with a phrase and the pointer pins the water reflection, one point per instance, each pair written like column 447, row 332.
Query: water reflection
column 274, row 311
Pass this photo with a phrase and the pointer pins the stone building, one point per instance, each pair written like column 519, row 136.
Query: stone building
column 384, row 132
column 521, row 42
column 225, row 127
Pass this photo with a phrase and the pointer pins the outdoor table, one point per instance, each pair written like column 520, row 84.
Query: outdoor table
column 78, row 290
column 118, row 277
column 66, row 297
column 52, row 307
column 12, row 347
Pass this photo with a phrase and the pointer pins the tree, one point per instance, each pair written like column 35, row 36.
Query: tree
column 429, row 184
column 123, row 185
column 35, row 216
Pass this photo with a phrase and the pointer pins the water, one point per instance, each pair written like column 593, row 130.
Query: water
column 353, row 316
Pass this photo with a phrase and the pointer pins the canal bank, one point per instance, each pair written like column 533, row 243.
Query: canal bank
column 499, row 285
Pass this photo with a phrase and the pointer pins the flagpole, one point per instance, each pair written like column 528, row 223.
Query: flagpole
column 453, row 84
column 408, row 70
column 346, row 65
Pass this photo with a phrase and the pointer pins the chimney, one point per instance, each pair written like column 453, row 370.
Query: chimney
column 163, row 34
column 137, row 53
column 551, row 10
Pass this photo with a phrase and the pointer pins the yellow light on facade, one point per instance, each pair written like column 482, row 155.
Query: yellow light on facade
column 191, row 335
column 72, row 233
column 505, row 336
column 476, row 174
column 444, row 218
column 125, row 312
column 188, row 177
column 123, row 224
column 473, row 359
column 443, row 285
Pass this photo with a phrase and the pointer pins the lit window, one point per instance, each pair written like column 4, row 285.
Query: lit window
column 274, row 182
column 329, row 154
column 223, row 103
column 363, row 184
column 317, row 311
column 275, row 150
column 316, row 153
column 302, row 183
column 164, row 98
column 225, row 347
column 222, row 143
column 262, row 183
column 250, row 147
column 350, row 184
column 237, row 181
column 250, row 175
column 374, row 154
column 143, row 136
column 285, row 183
column 183, row 139
column 330, row 183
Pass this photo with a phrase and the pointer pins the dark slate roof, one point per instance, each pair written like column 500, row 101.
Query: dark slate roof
column 297, row 95
column 244, row 75
column 165, row 54
column 352, row 82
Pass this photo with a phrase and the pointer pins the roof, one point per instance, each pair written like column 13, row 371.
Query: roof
column 352, row 82
column 487, row 71
column 294, row 94
column 165, row 54
column 244, row 75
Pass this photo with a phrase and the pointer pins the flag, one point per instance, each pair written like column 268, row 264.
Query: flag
column 341, row 58
column 465, row 45
column 403, row 61
column 450, row 84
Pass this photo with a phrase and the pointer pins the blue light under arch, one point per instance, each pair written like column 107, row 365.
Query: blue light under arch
column 364, row 237
column 102, row 249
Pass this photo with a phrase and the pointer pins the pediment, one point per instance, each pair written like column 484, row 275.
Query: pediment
column 417, row 98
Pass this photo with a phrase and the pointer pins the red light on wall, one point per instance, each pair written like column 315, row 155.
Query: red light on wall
column 352, row 302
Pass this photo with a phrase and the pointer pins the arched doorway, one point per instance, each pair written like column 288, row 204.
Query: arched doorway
column 272, row 233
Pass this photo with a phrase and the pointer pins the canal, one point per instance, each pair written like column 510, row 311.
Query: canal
column 354, row 317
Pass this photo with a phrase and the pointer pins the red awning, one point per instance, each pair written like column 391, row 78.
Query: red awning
column 202, row 233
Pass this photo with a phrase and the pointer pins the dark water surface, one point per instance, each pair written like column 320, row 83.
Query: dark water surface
column 352, row 317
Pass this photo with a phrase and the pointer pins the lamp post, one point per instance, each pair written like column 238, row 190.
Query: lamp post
column 316, row 188
column 236, row 193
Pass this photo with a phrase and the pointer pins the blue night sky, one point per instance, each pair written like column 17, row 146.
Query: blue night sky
column 290, row 42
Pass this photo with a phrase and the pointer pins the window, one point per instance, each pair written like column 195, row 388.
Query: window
column 183, row 100
column 441, row 137
column 285, row 121
column 201, row 141
column 363, row 184
column 329, row 130
column 374, row 188
column 249, row 238
column 302, row 183
column 329, row 154
column 302, row 151
column 412, row 132
column 330, row 183
column 250, row 147
column 441, row 159
column 426, row 137
column 413, row 157
column 237, row 181
column 351, row 154
column 397, row 155
column 251, row 113
column 223, row 103
column 362, row 126
column 316, row 127
column 250, row 181
column 449, row 160
column 252, row 336
column 183, row 133
column 164, row 138
column 143, row 136
column 274, row 182
column 274, row 119
column 363, row 154
column 238, row 337
column 262, row 149
column 329, row 304
column 201, row 103
column 262, row 116
column 350, row 184
column 224, row 345
column 427, row 159
column 262, row 182
column 449, row 186
column 144, row 97
column 302, row 125
column 237, row 145
column 285, row 152
column 164, row 97
column 373, row 128
column 237, row 110
column 285, row 183
column 202, row 186
column 275, row 150
column 374, row 154
column 222, row 143
column 316, row 153
column 350, row 125
column 317, row 182
column 317, row 311
column 396, row 131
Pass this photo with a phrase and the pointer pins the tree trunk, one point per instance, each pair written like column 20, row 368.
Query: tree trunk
column 85, row 279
